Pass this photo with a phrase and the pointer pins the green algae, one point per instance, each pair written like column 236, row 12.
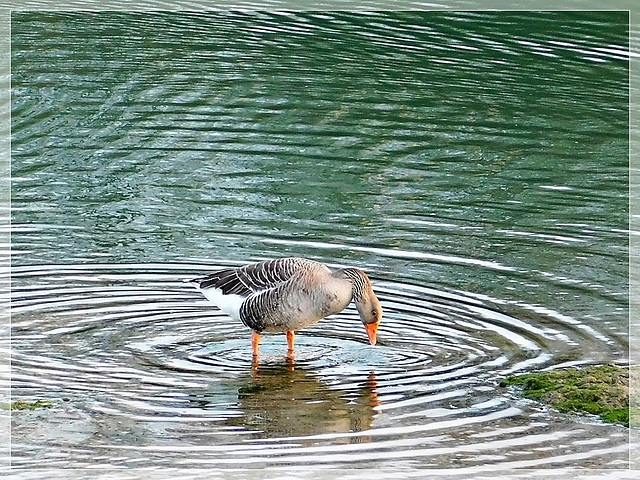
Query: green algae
column 601, row 390
column 22, row 405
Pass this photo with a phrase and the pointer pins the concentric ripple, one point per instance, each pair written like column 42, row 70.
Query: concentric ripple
column 143, row 371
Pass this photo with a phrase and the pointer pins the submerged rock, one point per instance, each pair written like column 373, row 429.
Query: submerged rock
column 601, row 390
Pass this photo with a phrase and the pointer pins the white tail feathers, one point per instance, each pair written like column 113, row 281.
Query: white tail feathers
column 229, row 304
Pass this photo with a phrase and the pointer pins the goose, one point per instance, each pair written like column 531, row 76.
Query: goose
column 289, row 294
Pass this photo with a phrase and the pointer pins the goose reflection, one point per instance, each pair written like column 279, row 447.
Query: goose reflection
column 287, row 400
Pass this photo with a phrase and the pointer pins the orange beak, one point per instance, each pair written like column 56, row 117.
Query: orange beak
column 372, row 329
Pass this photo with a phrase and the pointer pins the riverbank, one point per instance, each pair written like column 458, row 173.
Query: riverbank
column 601, row 390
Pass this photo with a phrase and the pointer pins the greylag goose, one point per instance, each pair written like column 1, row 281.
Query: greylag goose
column 289, row 294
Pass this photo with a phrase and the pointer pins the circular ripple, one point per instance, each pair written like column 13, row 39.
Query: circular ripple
column 152, row 372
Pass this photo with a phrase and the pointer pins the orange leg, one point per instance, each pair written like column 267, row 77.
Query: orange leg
column 255, row 340
column 291, row 337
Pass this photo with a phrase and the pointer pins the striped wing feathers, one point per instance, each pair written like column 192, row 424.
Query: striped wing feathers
column 256, row 277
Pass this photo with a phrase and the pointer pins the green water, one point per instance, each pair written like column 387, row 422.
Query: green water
column 480, row 154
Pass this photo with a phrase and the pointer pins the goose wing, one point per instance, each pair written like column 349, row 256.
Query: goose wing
column 255, row 277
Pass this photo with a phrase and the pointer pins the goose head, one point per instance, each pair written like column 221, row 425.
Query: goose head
column 367, row 303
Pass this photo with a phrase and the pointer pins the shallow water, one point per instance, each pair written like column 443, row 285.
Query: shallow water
column 474, row 164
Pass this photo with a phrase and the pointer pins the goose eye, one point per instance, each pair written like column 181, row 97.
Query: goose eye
column 374, row 313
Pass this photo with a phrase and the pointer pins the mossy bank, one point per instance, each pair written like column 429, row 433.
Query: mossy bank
column 601, row 390
column 23, row 405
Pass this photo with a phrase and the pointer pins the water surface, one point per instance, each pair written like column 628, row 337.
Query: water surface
column 475, row 164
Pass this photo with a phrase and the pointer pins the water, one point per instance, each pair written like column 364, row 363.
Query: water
column 474, row 164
